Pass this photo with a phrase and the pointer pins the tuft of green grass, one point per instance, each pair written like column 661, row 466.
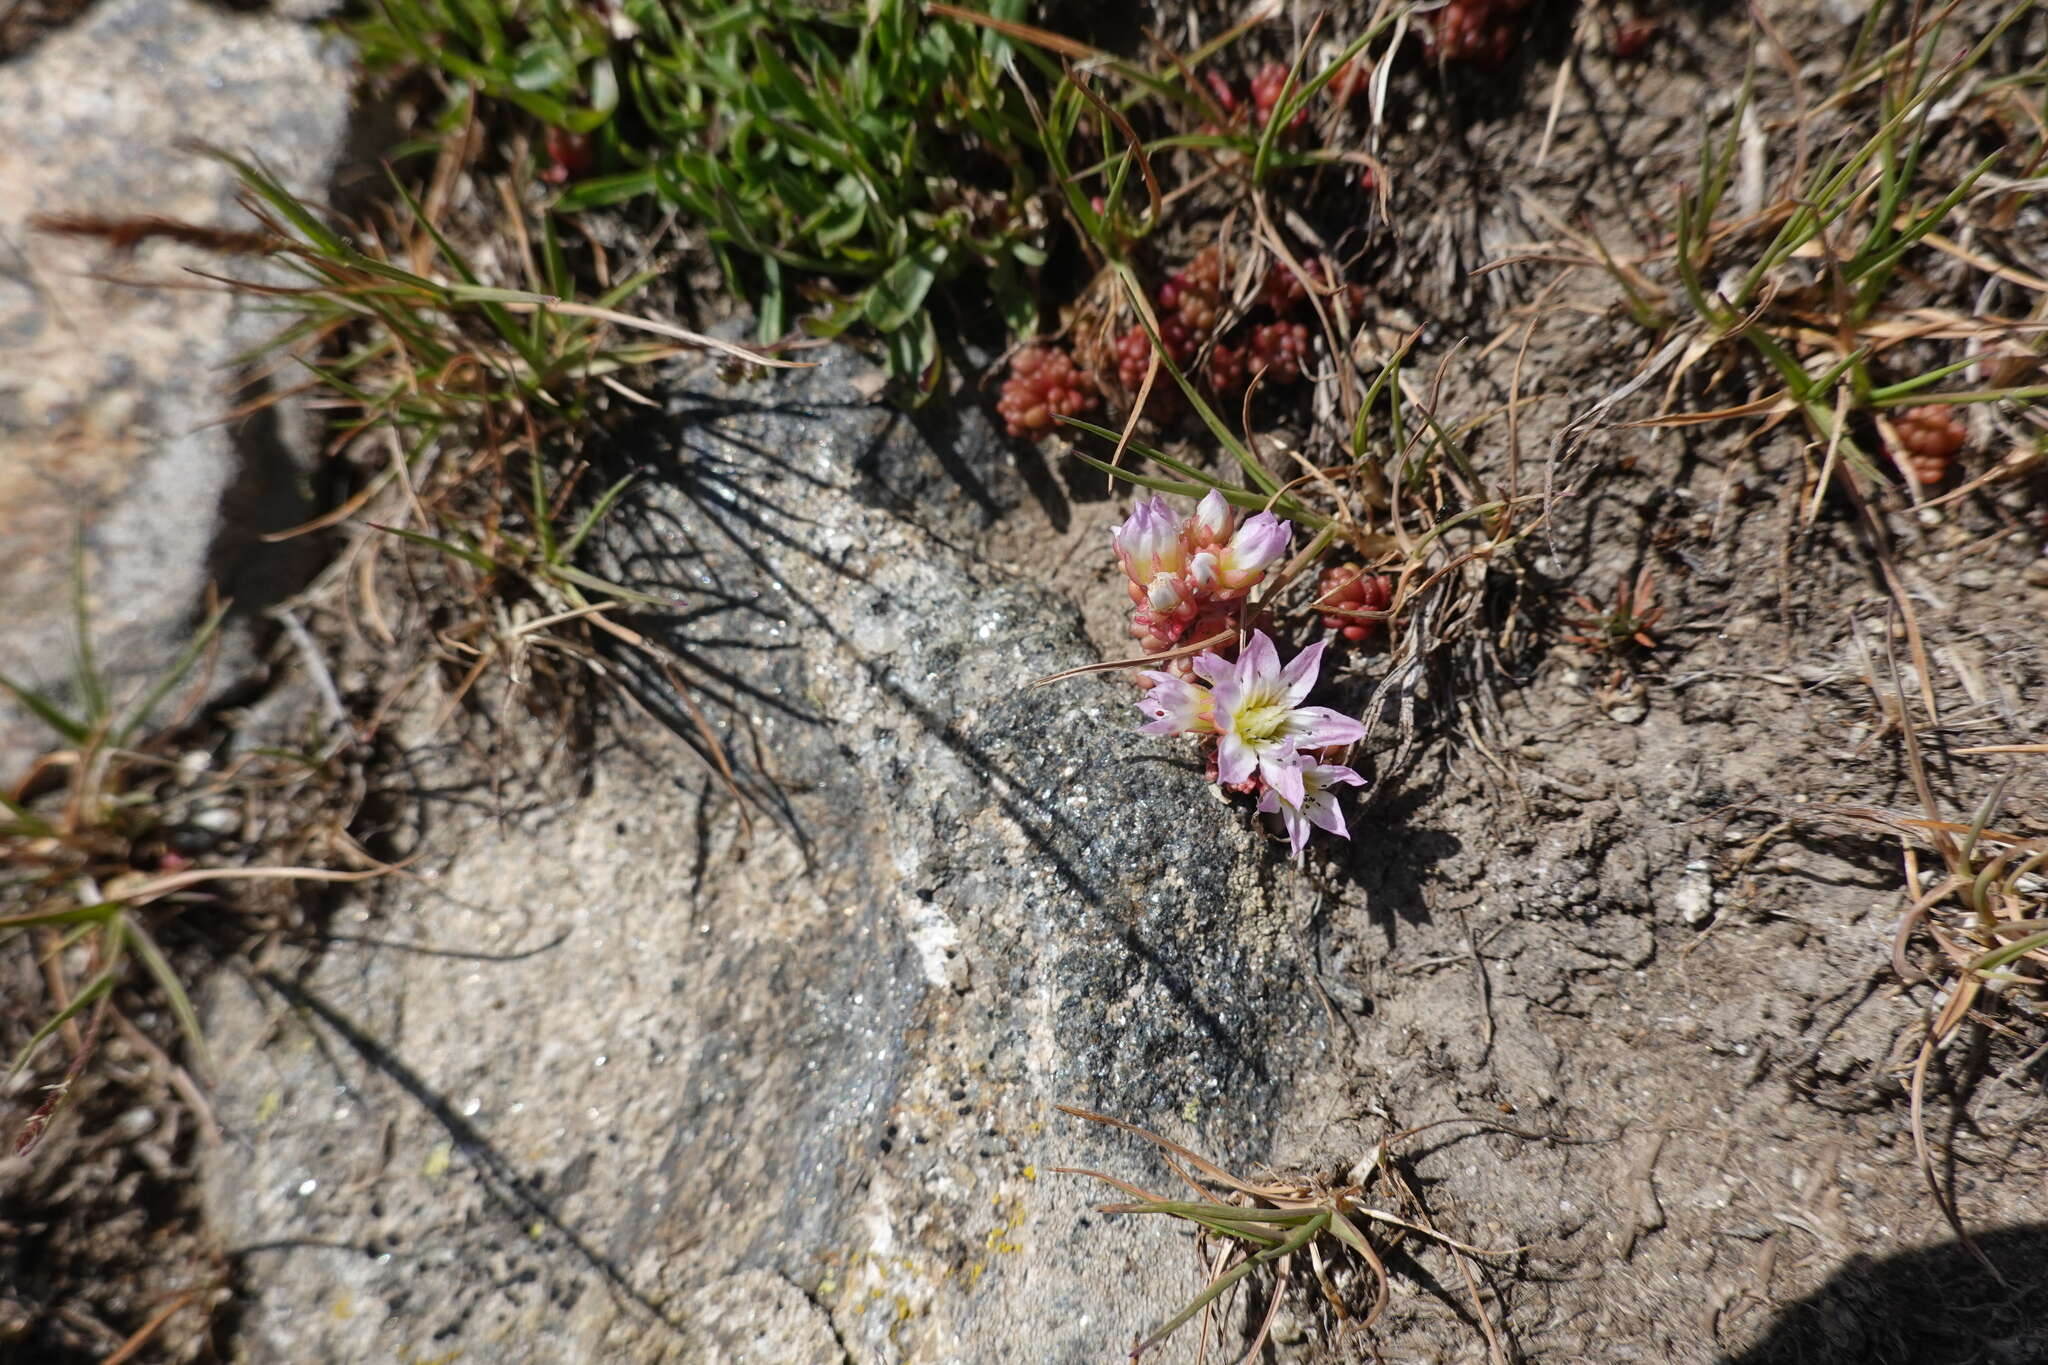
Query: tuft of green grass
column 1816, row 286
column 88, row 872
column 1263, row 1226
column 472, row 401
column 840, row 160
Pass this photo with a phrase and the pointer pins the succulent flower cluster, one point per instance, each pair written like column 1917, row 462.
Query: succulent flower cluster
column 1191, row 572
column 1187, row 577
column 1043, row 384
column 1481, row 31
column 1932, row 434
column 1266, row 742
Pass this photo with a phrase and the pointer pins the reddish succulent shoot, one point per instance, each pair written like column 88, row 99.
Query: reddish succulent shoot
column 1352, row 80
column 1345, row 593
column 1282, row 290
column 1632, row 41
column 1195, row 292
column 1931, row 434
column 1227, row 370
column 1267, row 85
column 1044, row 385
column 1478, row 31
column 1227, row 98
column 569, row 156
column 1627, row 623
column 1279, row 348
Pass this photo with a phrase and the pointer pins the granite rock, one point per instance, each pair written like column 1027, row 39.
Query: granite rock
column 788, row 1092
column 111, row 393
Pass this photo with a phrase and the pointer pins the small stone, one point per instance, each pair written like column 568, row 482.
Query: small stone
column 2037, row 573
column 1694, row 899
column 218, row 820
column 1977, row 580
column 1626, row 704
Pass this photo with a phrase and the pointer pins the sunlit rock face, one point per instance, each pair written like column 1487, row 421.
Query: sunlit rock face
column 717, row 1094
column 112, row 388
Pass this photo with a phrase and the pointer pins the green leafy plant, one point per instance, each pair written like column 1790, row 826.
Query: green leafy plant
column 848, row 157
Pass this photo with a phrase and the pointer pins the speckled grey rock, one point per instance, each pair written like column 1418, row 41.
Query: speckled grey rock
column 108, row 392
column 805, row 1076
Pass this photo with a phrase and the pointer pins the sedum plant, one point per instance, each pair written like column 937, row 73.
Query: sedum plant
column 1189, row 577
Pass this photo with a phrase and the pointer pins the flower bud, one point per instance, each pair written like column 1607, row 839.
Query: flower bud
column 1148, row 543
column 1258, row 544
column 1213, row 521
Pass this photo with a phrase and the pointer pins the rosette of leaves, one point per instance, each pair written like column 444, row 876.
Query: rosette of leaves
column 840, row 160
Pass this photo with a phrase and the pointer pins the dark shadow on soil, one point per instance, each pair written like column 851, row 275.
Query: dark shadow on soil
column 1933, row 1306
column 1392, row 859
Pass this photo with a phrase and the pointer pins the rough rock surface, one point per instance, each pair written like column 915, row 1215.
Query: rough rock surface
column 615, row 1081
column 109, row 392
column 785, row 1097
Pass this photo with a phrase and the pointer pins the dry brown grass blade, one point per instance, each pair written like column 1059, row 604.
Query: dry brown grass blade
column 158, row 887
column 1023, row 33
column 125, row 234
column 712, row 748
column 684, row 334
column 144, row 1334
column 1910, row 921
column 1206, row 1167
column 1220, row 637
column 1773, row 403
column 1925, row 1153
column 1135, row 143
column 1383, row 1283
column 1126, row 1186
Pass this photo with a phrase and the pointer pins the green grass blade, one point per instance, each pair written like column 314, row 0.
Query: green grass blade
column 26, row 822
column 597, row 513
column 76, row 914
column 138, row 711
column 476, row 559
column 87, row 994
column 86, row 678
column 74, row 732
column 1258, row 473
column 1308, row 1233
column 174, row 991
column 1918, row 382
